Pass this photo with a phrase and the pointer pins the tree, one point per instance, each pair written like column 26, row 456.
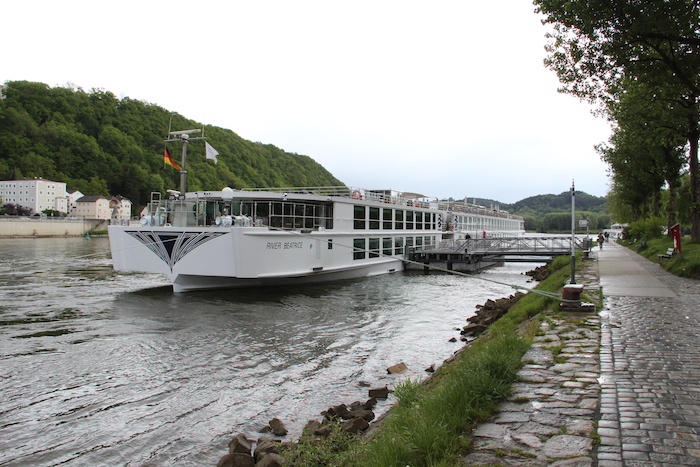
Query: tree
column 597, row 44
column 15, row 210
column 647, row 148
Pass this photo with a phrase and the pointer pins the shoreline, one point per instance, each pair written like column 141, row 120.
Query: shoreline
column 359, row 420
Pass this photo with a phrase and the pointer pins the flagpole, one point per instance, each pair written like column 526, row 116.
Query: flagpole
column 183, row 172
column 165, row 144
column 183, row 137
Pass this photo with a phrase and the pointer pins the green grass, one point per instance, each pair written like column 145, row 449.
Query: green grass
column 685, row 265
column 309, row 452
column 97, row 232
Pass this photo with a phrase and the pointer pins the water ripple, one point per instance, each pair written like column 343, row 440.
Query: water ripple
column 100, row 367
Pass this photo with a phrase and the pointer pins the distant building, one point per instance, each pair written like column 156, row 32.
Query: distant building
column 93, row 207
column 36, row 194
column 73, row 197
column 103, row 207
column 121, row 208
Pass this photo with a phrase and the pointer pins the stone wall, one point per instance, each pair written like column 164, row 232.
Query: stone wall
column 24, row 227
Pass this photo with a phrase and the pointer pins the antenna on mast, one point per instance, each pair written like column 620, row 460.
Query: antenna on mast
column 183, row 136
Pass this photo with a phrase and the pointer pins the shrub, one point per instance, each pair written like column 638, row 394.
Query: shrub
column 647, row 229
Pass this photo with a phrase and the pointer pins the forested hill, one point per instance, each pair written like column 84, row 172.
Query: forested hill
column 102, row 145
column 544, row 204
column 550, row 213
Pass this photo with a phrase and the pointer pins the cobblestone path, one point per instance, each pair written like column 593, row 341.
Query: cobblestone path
column 650, row 375
column 616, row 388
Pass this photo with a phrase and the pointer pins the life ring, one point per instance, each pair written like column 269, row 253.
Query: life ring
column 356, row 194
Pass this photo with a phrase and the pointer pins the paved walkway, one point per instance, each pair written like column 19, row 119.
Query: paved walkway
column 650, row 363
column 616, row 388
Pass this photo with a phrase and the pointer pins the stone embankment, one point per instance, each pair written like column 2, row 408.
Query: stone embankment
column 264, row 452
column 487, row 314
column 48, row 227
column 551, row 417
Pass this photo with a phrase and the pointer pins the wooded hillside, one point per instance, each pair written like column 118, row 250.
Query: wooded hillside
column 102, row 145
column 552, row 213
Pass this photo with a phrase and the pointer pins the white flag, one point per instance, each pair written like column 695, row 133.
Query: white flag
column 211, row 152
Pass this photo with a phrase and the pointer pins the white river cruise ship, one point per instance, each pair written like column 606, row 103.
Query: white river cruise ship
column 271, row 236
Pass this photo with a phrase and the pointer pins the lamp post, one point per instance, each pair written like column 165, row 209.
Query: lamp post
column 573, row 234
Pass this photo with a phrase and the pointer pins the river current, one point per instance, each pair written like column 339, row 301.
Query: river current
column 99, row 367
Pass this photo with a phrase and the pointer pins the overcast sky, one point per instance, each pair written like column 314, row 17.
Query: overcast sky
column 446, row 98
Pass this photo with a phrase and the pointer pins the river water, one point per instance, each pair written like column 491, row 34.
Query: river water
column 105, row 368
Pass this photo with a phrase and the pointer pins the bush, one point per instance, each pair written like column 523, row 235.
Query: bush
column 654, row 227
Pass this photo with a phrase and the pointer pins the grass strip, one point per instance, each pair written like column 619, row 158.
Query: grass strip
column 687, row 264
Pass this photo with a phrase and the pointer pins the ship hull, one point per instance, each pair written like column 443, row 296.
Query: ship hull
column 216, row 258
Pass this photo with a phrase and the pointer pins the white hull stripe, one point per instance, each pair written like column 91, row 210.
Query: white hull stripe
column 172, row 247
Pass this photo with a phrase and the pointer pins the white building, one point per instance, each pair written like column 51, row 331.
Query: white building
column 37, row 194
column 103, row 207
column 73, row 197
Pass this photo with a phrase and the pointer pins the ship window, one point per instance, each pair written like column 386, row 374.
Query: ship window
column 419, row 220
column 247, row 208
column 373, row 247
column 359, row 248
column 398, row 219
column 386, row 216
column 409, row 220
column 330, row 243
column 295, row 215
column 262, row 211
column 359, row 217
column 427, row 241
column 386, row 246
column 398, row 245
column 374, row 218
column 419, row 242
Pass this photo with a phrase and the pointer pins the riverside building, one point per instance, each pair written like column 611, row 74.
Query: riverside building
column 36, row 194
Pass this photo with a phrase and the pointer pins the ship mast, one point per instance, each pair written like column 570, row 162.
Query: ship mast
column 183, row 136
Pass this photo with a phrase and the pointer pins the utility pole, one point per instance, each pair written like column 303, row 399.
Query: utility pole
column 573, row 234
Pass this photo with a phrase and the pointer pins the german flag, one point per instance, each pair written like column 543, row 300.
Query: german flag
column 169, row 160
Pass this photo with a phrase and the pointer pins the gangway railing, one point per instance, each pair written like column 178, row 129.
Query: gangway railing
column 534, row 246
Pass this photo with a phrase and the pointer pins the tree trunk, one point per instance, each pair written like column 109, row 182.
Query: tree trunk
column 694, row 136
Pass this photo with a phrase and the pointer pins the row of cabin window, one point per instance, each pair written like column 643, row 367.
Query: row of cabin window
column 478, row 223
column 390, row 246
column 284, row 215
column 369, row 216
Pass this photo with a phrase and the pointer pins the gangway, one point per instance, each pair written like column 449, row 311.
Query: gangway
column 474, row 253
